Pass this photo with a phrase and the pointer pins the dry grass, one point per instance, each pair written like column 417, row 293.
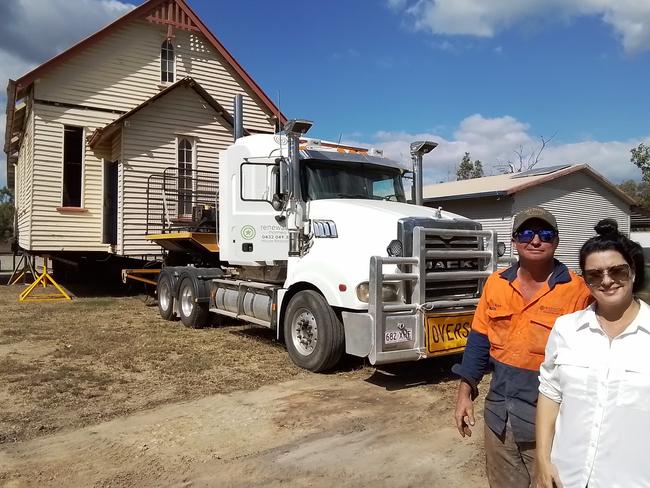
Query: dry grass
column 69, row 364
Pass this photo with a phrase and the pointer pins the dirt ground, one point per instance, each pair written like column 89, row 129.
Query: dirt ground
column 102, row 392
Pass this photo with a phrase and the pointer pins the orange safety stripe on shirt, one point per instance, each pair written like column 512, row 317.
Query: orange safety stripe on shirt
column 518, row 331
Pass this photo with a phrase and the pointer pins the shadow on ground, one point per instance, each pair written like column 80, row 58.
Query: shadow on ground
column 412, row 374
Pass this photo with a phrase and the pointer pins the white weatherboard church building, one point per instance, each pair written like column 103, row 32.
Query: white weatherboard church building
column 86, row 129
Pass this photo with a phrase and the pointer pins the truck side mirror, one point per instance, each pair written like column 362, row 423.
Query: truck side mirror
column 281, row 174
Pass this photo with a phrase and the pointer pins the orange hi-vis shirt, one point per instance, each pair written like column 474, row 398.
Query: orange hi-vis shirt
column 518, row 331
column 509, row 336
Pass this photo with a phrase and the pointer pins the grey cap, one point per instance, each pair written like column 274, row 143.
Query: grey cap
column 533, row 213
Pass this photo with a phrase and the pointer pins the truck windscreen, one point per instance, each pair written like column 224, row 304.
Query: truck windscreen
column 327, row 179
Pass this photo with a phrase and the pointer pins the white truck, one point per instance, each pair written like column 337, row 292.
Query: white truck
column 317, row 241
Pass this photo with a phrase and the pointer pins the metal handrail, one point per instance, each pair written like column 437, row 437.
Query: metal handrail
column 174, row 194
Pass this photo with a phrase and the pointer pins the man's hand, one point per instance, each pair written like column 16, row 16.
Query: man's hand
column 464, row 414
column 546, row 475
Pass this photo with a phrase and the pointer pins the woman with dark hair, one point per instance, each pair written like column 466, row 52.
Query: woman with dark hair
column 593, row 411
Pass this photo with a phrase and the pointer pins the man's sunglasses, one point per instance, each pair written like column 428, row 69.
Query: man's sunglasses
column 527, row 235
column 619, row 273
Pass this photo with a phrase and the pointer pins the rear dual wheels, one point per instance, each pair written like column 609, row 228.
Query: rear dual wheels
column 182, row 293
column 313, row 333
column 192, row 302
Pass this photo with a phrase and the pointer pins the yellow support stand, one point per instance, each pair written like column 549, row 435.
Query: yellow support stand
column 21, row 273
column 44, row 278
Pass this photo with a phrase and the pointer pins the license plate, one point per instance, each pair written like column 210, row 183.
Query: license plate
column 447, row 333
column 400, row 335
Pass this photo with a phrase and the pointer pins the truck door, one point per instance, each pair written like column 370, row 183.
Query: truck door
column 248, row 229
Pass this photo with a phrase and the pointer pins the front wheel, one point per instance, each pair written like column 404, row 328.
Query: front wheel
column 313, row 333
column 192, row 311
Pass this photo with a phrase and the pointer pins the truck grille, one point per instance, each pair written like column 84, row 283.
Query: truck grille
column 448, row 290
column 445, row 289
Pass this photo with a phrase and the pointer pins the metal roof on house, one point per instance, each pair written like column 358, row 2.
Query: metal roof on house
column 509, row 184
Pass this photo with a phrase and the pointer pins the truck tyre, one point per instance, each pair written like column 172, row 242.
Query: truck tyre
column 165, row 293
column 313, row 333
column 192, row 313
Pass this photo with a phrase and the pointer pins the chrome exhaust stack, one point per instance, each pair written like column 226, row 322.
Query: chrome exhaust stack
column 418, row 150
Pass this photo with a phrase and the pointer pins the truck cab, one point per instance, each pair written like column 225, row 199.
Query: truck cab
column 318, row 241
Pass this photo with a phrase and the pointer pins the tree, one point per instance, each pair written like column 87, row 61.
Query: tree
column 468, row 169
column 639, row 190
column 6, row 213
column 641, row 159
column 527, row 158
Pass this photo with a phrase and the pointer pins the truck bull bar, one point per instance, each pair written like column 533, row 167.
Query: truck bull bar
column 391, row 316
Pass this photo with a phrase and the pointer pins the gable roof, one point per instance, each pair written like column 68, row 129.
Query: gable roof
column 509, row 184
column 101, row 135
column 174, row 13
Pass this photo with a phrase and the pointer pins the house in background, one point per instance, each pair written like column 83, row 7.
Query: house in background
column 576, row 195
column 86, row 129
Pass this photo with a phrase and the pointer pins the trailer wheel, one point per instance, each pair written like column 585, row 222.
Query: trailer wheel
column 192, row 313
column 313, row 333
column 164, row 291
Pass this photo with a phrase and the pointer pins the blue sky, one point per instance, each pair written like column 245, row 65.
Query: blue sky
column 489, row 78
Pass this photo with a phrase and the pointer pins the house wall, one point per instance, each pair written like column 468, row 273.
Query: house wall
column 24, row 184
column 578, row 202
column 122, row 70
column 94, row 88
column 54, row 229
column 493, row 214
column 149, row 146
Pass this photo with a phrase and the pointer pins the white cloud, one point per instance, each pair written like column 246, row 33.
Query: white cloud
column 495, row 140
column 396, row 4
column 630, row 19
column 37, row 30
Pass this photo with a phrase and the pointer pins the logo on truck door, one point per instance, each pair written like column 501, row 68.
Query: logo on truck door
column 248, row 232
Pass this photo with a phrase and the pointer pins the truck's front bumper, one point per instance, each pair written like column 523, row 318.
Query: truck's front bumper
column 361, row 336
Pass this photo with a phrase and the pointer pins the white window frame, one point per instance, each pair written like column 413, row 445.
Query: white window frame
column 83, row 164
column 193, row 145
column 173, row 60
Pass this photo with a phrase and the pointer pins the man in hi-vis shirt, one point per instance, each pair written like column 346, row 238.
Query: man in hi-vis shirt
column 511, row 325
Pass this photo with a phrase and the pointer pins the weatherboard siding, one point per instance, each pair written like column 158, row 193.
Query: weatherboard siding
column 52, row 229
column 578, row 202
column 24, row 184
column 122, row 70
column 149, row 146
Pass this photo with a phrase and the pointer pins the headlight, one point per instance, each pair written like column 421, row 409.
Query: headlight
column 389, row 292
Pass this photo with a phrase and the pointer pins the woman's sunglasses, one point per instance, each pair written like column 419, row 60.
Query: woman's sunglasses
column 619, row 273
column 527, row 235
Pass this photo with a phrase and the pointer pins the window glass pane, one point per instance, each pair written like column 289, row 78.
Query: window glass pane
column 167, row 62
column 184, row 177
column 257, row 181
column 72, row 165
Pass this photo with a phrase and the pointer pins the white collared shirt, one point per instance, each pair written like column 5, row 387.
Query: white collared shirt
column 602, row 433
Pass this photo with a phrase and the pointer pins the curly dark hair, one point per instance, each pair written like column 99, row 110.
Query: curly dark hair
column 610, row 239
